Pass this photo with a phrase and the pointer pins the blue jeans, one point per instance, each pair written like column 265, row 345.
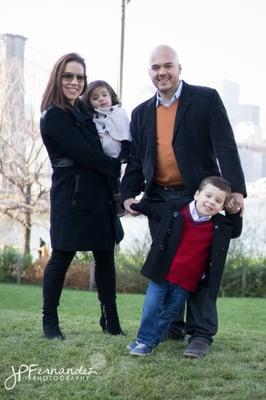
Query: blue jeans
column 162, row 304
column 201, row 318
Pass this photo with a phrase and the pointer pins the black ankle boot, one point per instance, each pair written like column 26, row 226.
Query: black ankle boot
column 102, row 319
column 112, row 323
column 51, row 325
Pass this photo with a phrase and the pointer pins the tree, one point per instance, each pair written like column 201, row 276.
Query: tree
column 23, row 159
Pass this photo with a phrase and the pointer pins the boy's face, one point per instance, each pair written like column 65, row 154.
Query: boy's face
column 210, row 200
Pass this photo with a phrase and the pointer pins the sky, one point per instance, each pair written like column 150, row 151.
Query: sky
column 215, row 40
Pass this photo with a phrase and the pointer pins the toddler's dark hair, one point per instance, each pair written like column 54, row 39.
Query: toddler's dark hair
column 96, row 84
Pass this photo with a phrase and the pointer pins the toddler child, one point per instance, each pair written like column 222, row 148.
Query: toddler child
column 112, row 124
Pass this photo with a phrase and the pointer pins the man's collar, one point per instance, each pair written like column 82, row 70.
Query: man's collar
column 167, row 103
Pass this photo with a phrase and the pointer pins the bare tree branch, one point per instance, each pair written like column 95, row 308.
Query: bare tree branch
column 24, row 165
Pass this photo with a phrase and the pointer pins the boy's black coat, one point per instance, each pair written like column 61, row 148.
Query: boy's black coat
column 168, row 234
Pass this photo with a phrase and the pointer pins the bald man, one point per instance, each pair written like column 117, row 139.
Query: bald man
column 179, row 137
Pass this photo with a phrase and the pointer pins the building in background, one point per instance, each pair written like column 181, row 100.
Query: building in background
column 229, row 92
column 12, row 48
column 245, row 120
column 249, row 113
column 22, row 153
column 12, row 98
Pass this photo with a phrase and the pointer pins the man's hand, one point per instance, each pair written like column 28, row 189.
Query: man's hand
column 127, row 204
column 235, row 204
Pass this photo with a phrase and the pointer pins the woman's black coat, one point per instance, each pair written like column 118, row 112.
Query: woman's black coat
column 168, row 234
column 82, row 216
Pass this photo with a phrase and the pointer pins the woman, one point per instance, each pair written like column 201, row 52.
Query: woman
column 82, row 213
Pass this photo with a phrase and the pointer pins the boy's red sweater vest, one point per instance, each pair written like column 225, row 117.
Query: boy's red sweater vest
column 191, row 255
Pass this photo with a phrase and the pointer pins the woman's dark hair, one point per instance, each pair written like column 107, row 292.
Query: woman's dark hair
column 96, row 84
column 53, row 93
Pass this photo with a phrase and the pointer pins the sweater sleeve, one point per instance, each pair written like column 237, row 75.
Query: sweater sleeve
column 133, row 181
column 153, row 209
column 124, row 153
column 237, row 223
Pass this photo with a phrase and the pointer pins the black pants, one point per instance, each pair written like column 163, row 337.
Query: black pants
column 56, row 269
column 201, row 315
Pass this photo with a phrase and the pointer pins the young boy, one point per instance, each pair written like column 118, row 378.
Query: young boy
column 190, row 245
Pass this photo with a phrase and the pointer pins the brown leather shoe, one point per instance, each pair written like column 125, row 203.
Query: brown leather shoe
column 197, row 349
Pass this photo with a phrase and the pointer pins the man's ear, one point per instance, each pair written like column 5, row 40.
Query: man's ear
column 196, row 195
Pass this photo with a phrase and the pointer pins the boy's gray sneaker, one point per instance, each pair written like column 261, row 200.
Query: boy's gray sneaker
column 132, row 345
column 187, row 339
column 197, row 349
column 141, row 350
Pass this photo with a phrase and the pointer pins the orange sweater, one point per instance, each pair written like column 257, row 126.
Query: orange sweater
column 167, row 172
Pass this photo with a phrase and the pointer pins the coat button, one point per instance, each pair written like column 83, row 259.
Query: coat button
column 111, row 109
column 161, row 247
column 175, row 214
column 216, row 226
column 106, row 131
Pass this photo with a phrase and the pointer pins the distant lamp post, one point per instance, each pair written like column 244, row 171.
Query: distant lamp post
column 122, row 44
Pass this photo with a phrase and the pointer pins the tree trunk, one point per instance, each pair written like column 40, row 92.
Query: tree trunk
column 92, row 275
column 28, row 213
column 27, row 233
column 19, row 268
column 244, row 281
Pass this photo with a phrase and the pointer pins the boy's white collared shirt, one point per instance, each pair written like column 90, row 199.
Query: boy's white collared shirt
column 194, row 213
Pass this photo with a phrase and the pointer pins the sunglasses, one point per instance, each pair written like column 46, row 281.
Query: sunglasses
column 69, row 76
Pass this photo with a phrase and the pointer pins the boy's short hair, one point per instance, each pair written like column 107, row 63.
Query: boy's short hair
column 218, row 182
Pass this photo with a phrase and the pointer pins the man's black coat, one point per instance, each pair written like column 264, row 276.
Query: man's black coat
column 202, row 135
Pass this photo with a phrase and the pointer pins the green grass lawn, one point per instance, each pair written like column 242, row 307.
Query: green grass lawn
column 234, row 370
